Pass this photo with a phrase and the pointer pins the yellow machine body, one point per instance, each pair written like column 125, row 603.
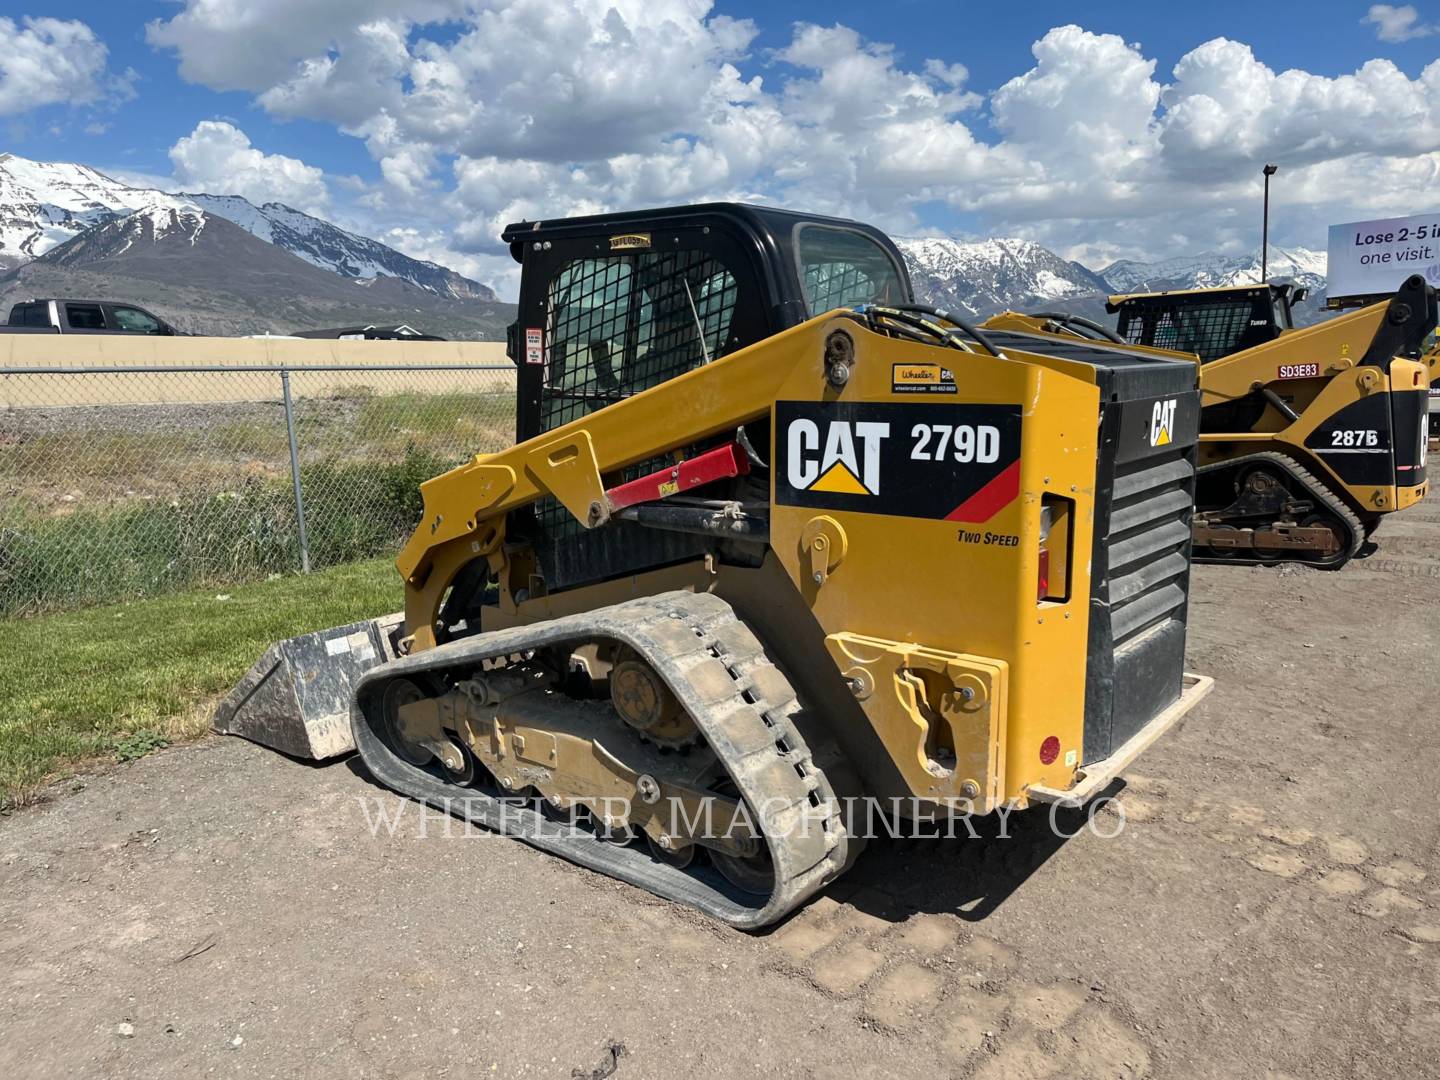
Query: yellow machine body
column 914, row 613
column 1333, row 349
column 773, row 540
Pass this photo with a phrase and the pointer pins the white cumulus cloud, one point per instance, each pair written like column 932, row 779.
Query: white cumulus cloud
column 48, row 61
column 482, row 112
column 1397, row 23
column 217, row 158
column 256, row 44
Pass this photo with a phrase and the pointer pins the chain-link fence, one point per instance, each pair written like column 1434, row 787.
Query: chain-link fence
column 124, row 482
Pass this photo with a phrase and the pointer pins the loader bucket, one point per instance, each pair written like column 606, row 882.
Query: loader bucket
column 296, row 698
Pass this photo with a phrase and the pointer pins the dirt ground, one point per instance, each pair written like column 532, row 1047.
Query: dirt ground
column 1271, row 908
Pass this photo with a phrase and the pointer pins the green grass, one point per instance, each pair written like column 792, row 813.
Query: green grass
column 481, row 422
column 66, row 457
column 125, row 679
column 101, row 555
column 359, row 426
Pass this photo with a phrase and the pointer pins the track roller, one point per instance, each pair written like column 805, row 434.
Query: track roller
column 1277, row 511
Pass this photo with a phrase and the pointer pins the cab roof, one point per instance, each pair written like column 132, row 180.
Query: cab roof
column 770, row 225
column 1280, row 289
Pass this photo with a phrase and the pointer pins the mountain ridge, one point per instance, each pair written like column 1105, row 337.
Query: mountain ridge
column 1212, row 269
column 45, row 204
column 204, row 274
column 985, row 276
column 981, row 278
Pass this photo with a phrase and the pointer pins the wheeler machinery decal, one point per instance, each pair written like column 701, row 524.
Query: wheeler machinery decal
column 922, row 379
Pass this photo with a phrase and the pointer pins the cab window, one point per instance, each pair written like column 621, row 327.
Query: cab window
column 84, row 317
column 621, row 324
column 1209, row 326
column 134, row 321
column 843, row 267
column 30, row 315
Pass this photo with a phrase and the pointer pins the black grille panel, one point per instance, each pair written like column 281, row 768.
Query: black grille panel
column 1145, row 610
column 1140, row 582
column 1149, row 533
column 1147, row 577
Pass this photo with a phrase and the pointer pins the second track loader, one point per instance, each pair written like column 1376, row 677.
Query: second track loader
column 1308, row 437
column 774, row 542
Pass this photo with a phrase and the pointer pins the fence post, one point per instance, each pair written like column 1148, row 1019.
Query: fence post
column 295, row 471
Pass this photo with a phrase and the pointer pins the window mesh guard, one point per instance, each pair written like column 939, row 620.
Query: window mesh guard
column 831, row 285
column 1209, row 330
column 620, row 325
column 623, row 324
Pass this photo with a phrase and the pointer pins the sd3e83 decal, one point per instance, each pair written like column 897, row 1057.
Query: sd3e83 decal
column 942, row 461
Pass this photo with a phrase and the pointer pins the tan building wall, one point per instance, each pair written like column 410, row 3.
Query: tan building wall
column 32, row 351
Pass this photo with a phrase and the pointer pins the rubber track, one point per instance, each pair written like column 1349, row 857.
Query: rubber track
column 740, row 701
column 1313, row 488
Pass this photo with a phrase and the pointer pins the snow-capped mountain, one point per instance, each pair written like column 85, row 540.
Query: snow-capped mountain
column 205, row 274
column 44, row 204
column 332, row 248
column 137, row 242
column 1299, row 265
column 979, row 278
column 986, row 276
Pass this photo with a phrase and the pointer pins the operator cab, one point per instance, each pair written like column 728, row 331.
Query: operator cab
column 614, row 304
column 1208, row 322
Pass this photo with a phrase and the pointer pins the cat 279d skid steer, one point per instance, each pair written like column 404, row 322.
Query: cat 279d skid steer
column 1308, row 437
column 775, row 542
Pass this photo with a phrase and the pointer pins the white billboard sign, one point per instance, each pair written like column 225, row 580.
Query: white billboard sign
column 1370, row 257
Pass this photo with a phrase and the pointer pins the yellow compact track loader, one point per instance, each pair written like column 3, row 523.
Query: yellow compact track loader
column 774, row 542
column 1308, row 437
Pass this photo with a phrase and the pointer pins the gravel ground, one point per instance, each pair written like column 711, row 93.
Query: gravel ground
column 1271, row 909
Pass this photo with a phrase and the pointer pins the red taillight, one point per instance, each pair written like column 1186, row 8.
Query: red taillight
column 1052, row 571
column 1049, row 750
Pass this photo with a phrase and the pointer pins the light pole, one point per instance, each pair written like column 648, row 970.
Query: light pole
column 1269, row 170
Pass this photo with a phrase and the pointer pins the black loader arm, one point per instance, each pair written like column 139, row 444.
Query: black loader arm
column 1411, row 319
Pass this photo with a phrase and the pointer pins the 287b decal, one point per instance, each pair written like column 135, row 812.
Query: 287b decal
column 1354, row 437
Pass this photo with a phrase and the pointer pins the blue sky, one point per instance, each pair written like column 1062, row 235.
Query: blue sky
column 1089, row 142
column 993, row 41
column 165, row 107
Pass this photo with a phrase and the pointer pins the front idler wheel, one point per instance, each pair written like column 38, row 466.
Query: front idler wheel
column 398, row 694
